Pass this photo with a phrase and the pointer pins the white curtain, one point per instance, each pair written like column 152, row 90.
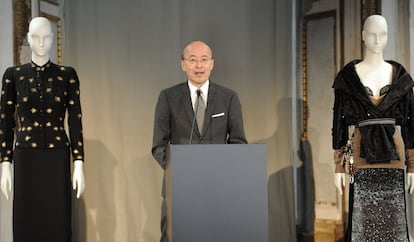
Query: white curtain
column 125, row 53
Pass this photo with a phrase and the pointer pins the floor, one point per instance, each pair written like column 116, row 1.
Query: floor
column 325, row 231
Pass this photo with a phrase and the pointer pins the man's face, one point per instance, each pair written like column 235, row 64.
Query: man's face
column 197, row 63
column 40, row 38
column 375, row 37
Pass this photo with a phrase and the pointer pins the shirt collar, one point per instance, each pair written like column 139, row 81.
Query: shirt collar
column 203, row 88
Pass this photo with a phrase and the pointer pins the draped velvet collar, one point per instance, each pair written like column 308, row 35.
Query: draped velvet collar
column 348, row 81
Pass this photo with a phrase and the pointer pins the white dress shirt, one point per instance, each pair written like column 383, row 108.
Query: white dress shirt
column 204, row 92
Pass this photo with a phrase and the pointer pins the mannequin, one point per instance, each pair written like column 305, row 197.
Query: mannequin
column 373, row 62
column 376, row 98
column 41, row 92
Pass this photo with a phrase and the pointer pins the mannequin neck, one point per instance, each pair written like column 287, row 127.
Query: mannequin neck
column 373, row 59
column 40, row 60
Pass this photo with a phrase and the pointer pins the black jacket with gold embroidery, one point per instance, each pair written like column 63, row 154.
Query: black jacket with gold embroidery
column 41, row 96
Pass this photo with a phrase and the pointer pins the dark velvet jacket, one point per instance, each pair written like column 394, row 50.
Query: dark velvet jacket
column 41, row 96
column 353, row 105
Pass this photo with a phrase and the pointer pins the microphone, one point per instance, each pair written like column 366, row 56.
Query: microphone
column 195, row 115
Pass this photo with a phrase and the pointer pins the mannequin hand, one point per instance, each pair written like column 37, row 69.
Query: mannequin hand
column 339, row 181
column 6, row 181
column 410, row 182
column 78, row 180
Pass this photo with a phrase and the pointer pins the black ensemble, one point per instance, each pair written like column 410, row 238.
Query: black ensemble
column 34, row 102
column 383, row 146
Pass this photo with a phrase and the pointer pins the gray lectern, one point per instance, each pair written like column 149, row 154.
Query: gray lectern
column 217, row 193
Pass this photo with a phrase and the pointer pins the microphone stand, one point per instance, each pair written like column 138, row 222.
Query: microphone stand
column 195, row 115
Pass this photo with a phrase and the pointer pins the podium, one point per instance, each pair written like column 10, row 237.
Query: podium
column 217, row 193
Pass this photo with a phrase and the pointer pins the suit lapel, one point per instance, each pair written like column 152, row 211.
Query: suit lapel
column 210, row 107
column 186, row 102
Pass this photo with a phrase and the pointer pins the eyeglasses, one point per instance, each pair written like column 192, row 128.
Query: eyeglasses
column 194, row 61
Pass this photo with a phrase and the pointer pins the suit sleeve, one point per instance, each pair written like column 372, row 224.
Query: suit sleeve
column 162, row 130
column 236, row 129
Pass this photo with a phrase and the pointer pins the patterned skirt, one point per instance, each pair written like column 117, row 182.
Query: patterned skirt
column 377, row 206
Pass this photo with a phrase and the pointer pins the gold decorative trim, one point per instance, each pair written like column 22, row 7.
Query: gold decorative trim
column 369, row 7
column 305, row 21
column 21, row 19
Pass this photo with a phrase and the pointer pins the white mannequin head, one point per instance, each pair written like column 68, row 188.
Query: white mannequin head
column 375, row 34
column 40, row 38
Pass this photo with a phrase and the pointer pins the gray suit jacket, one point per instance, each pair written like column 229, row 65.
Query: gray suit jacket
column 223, row 123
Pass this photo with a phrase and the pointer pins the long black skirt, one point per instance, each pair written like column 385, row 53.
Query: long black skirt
column 377, row 206
column 42, row 195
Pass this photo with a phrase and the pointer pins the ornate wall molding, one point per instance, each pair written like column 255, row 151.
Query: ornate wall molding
column 21, row 19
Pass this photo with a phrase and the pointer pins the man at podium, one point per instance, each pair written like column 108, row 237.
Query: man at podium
column 197, row 111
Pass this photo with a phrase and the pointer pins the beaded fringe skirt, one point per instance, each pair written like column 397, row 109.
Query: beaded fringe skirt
column 378, row 208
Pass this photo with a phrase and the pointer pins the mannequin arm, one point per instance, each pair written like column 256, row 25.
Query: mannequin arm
column 410, row 182
column 78, row 180
column 339, row 181
column 6, row 182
